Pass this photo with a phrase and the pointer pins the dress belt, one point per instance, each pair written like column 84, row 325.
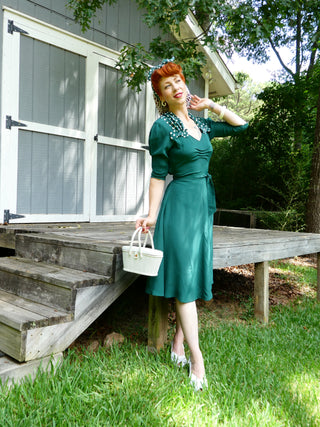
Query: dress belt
column 210, row 188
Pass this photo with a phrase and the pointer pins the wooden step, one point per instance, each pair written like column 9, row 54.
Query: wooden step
column 18, row 315
column 50, row 285
column 27, row 332
column 21, row 313
column 13, row 372
column 77, row 252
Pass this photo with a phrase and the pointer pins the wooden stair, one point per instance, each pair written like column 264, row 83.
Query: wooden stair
column 53, row 290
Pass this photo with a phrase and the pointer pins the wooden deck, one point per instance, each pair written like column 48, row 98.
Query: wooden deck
column 77, row 269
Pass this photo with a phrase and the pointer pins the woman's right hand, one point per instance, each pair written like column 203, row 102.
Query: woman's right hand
column 145, row 223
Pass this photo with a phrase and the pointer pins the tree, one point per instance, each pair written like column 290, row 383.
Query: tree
column 245, row 99
column 313, row 205
column 250, row 27
column 261, row 169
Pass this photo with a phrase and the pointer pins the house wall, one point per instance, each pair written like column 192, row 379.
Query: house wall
column 121, row 170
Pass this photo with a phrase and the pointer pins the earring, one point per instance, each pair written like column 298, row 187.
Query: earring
column 164, row 103
column 188, row 99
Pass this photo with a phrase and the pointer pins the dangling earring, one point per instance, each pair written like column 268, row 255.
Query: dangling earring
column 164, row 103
column 188, row 98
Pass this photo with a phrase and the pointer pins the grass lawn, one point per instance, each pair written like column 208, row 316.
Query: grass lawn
column 258, row 375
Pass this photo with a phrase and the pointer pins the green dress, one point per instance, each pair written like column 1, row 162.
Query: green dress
column 184, row 228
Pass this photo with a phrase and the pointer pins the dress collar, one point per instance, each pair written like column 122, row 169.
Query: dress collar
column 177, row 126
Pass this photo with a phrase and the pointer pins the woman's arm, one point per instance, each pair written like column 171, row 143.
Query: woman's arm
column 155, row 196
column 199, row 104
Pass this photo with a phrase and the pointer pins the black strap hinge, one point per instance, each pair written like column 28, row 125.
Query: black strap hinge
column 10, row 123
column 12, row 28
column 7, row 216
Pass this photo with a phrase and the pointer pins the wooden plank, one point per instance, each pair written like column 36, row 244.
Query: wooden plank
column 90, row 241
column 269, row 246
column 17, row 317
column 76, row 255
column 38, row 291
column 13, row 342
column 47, row 284
column 158, row 323
column 90, row 303
column 50, row 315
column 12, row 372
column 7, row 239
column 318, row 275
column 261, row 291
column 53, row 274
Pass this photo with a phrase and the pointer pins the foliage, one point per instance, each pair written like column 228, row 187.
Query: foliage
column 249, row 27
column 252, row 27
column 262, row 169
column 84, row 11
column 244, row 101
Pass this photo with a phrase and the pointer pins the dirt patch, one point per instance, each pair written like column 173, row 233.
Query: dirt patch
column 232, row 300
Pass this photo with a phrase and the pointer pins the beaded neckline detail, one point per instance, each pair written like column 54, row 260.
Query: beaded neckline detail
column 177, row 126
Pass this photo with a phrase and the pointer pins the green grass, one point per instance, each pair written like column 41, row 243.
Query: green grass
column 258, row 376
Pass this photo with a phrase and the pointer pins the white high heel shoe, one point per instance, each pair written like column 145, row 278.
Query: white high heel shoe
column 198, row 383
column 178, row 360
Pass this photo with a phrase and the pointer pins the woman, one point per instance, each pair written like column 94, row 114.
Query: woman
column 180, row 145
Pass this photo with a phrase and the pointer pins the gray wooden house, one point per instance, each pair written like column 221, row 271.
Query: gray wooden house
column 71, row 150
column 71, row 136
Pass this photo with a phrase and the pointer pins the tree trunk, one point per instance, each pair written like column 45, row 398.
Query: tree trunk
column 313, row 204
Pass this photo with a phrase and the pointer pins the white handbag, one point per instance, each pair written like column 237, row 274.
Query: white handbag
column 139, row 259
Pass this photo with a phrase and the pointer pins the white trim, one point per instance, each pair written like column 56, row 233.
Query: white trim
column 221, row 81
column 53, row 130
column 33, row 218
column 92, row 102
column 120, row 142
column 206, row 95
column 113, row 218
column 9, row 106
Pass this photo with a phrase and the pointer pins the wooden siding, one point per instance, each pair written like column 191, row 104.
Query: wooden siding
column 197, row 87
column 113, row 26
column 50, row 174
column 120, row 105
column 52, row 85
column 120, row 178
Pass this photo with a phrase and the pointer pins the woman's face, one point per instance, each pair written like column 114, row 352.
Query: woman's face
column 173, row 90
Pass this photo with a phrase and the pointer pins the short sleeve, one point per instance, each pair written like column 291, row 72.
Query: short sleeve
column 159, row 144
column 221, row 129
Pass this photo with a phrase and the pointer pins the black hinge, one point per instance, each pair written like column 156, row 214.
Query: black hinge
column 7, row 216
column 12, row 28
column 10, row 123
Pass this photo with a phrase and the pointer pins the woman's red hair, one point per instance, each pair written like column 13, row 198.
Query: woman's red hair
column 167, row 70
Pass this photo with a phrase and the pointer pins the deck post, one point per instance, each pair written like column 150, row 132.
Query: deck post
column 318, row 276
column 158, row 323
column 261, row 291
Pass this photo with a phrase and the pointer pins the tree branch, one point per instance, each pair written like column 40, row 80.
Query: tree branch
column 298, row 43
column 314, row 50
column 280, row 59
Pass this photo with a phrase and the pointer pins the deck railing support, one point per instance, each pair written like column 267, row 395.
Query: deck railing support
column 261, row 291
column 318, row 276
column 158, row 323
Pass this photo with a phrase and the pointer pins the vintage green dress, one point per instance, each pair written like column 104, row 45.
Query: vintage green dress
column 184, row 228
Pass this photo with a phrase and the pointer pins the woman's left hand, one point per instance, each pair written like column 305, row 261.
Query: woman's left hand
column 199, row 104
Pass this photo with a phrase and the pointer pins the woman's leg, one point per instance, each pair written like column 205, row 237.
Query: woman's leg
column 188, row 321
column 177, row 343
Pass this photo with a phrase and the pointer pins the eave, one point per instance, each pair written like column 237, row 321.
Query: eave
column 221, row 81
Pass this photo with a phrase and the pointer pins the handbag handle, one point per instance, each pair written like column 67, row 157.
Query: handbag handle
column 139, row 230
